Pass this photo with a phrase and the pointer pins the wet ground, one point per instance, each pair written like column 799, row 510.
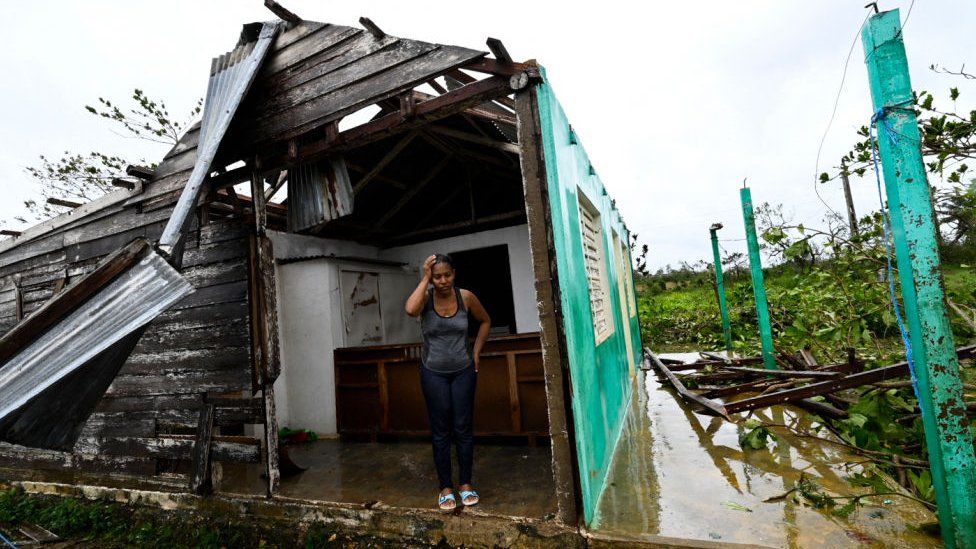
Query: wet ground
column 681, row 474
column 512, row 480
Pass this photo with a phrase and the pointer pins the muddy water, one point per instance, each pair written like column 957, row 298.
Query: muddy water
column 680, row 474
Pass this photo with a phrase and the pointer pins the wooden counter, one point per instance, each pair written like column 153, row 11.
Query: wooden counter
column 378, row 390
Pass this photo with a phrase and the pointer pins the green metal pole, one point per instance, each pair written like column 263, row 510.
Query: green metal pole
column 947, row 436
column 758, row 285
column 720, row 290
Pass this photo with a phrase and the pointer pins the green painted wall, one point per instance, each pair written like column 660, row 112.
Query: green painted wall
column 600, row 374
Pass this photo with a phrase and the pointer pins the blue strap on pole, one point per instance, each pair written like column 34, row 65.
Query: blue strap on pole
column 7, row 542
column 881, row 117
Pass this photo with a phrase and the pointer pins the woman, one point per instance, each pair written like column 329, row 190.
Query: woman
column 448, row 370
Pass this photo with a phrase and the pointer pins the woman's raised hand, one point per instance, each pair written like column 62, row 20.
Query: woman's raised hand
column 428, row 267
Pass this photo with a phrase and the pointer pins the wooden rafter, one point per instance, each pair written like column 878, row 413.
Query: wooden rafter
column 468, row 79
column 421, row 185
column 384, row 162
column 452, row 148
column 464, row 136
column 467, row 98
column 507, row 216
column 280, row 180
column 381, row 178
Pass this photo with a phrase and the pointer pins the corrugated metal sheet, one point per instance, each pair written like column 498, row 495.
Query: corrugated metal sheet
column 317, row 193
column 124, row 305
column 231, row 75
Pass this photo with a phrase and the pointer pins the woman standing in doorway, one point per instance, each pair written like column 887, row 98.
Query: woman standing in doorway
column 448, row 373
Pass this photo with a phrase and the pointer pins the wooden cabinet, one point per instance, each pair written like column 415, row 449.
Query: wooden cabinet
column 378, row 390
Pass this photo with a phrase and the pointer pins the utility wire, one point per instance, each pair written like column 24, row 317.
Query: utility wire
column 833, row 113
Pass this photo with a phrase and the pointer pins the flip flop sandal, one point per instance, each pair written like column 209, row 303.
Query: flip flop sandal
column 465, row 494
column 442, row 502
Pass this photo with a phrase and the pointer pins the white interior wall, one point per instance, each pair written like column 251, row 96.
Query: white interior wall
column 310, row 315
column 519, row 259
column 309, row 330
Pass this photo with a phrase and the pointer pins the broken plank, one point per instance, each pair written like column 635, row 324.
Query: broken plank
column 715, row 407
column 814, row 389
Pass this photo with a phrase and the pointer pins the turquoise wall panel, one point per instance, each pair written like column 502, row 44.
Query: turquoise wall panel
column 600, row 374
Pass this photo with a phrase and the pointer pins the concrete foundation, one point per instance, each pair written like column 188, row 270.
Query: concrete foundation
column 512, row 480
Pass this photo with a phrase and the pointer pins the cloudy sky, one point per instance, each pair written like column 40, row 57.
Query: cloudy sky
column 675, row 102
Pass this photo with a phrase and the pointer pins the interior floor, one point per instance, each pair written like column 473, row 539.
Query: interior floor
column 512, row 480
column 680, row 474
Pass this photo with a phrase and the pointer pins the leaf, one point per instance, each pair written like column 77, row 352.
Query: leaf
column 736, row 506
column 953, row 93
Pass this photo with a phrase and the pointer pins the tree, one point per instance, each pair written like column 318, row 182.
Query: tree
column 948, row 143
column 78, row 177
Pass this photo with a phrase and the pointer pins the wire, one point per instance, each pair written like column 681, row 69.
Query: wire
column 907, row 15
column 833, row 113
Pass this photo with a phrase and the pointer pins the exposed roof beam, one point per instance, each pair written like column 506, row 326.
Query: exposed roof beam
column 384, row 162
column 499, row 51
column 63, row 203
column 438, row 142
column 495, row 67
column 468, row 79
column 421, row 185
column 382, row 178
column 373, row 29
column 142, row 172
column 464, row 136
column 442, row 106
column 507, row 216
column 276, row 186
column 284, row 13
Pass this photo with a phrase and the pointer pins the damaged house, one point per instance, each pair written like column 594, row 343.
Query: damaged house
column 162, row 334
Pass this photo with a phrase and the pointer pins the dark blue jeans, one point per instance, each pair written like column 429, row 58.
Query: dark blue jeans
column 450, row 408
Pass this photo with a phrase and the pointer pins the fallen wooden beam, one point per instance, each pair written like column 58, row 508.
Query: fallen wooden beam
column 784, row 373
column 708, row 404
column 823, row 387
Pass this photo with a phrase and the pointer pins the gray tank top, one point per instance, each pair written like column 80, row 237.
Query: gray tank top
column 445, row 338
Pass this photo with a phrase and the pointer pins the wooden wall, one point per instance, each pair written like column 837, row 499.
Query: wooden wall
column 199, row 345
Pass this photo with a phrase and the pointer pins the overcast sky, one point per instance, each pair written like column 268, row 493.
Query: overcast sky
column 675, row 102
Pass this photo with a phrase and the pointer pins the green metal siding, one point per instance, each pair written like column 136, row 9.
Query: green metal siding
column 601, row 384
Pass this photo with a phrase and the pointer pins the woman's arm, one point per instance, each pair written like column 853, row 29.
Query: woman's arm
column 418, row 298
column 479, row 313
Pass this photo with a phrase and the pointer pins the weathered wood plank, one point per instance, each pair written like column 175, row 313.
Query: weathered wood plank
column 348, row 75
column 295, row 34
column 171, row 182
column 179, row 162
column 319, row 39
column 12, row 455
column 201, row 477
column 212, row 295
column 190, row 382
column 370, row 87
column 347, row 51
column 216, row 273
column 201, row 316
column 175, row 447
column 181, row 361
column 213, row 253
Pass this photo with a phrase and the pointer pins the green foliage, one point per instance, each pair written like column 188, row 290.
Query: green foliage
column 755, row 436
column 113, row 524
column 78, row 177
column 148, row 119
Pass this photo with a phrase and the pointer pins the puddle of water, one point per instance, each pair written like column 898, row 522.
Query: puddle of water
column 681, row 474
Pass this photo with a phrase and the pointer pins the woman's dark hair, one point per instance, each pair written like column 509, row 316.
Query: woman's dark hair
column 443, row 258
